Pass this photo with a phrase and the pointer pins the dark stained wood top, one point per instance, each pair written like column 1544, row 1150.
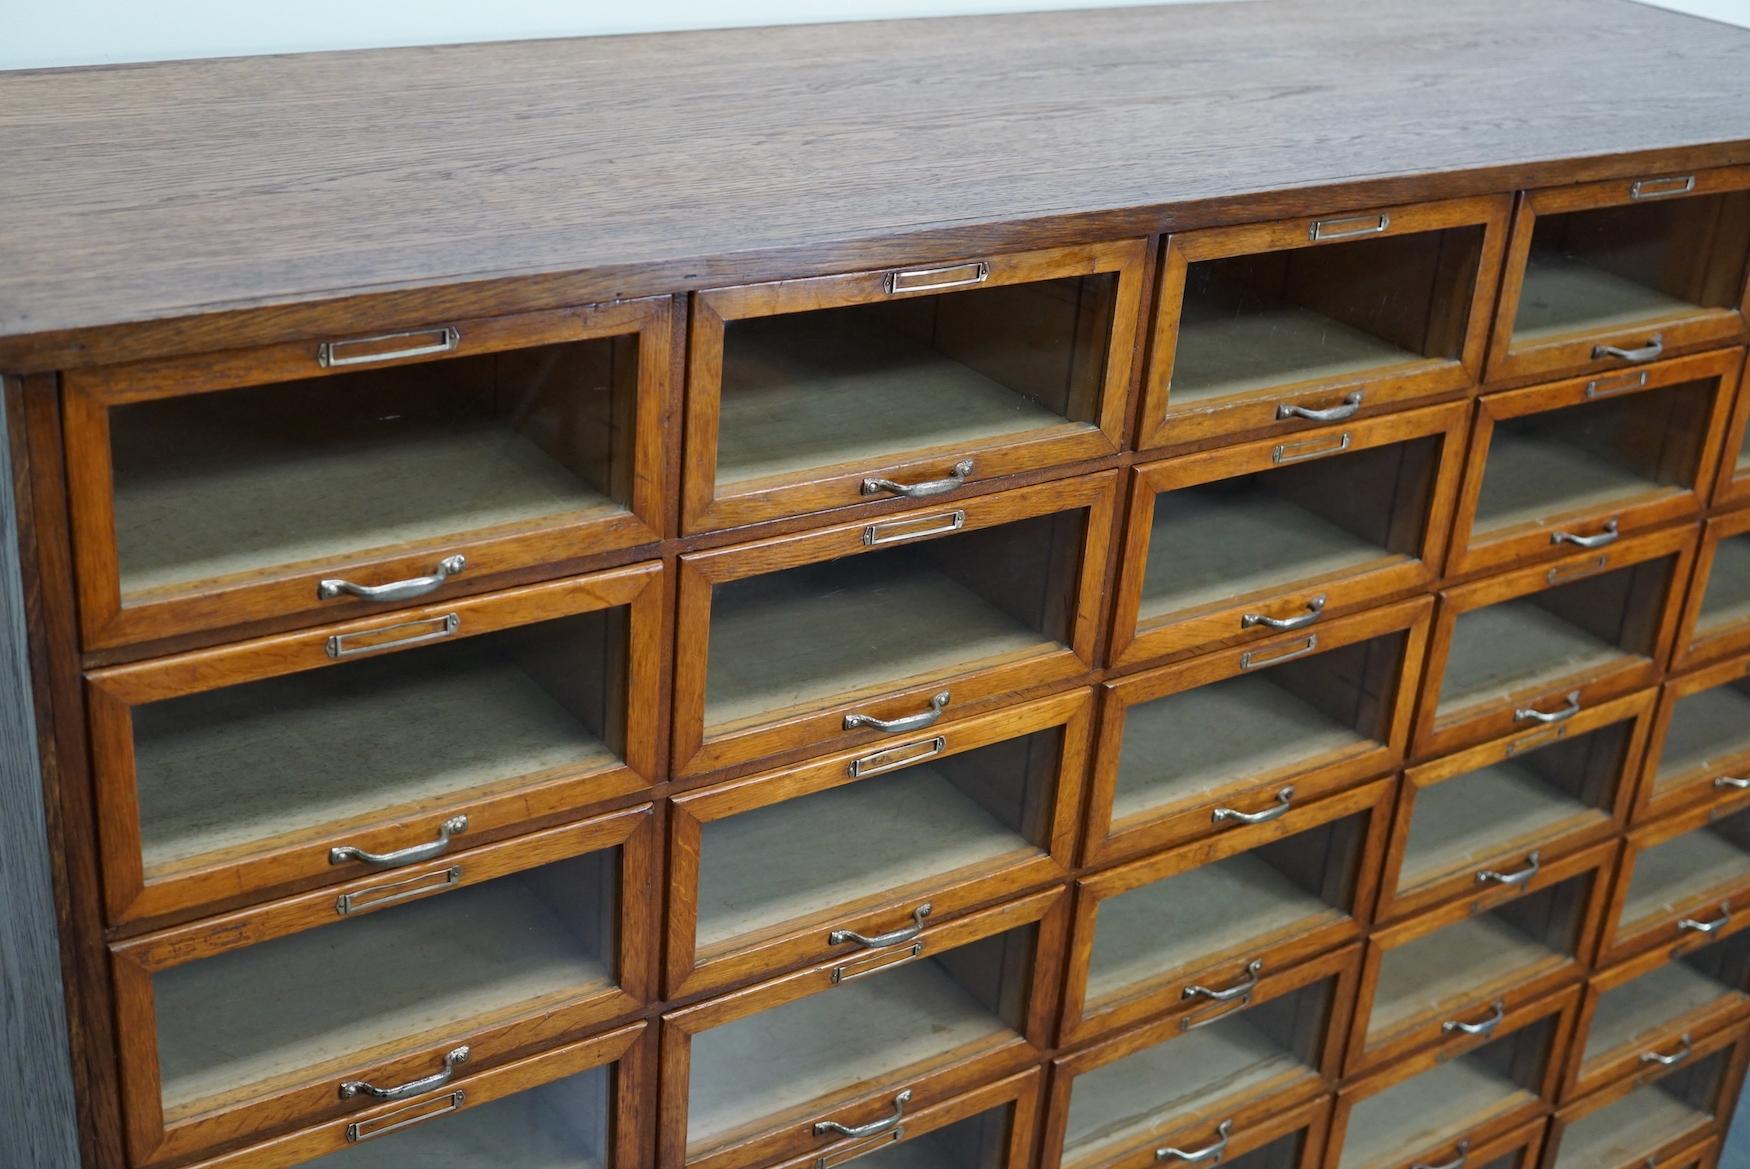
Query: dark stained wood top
column 634, row 165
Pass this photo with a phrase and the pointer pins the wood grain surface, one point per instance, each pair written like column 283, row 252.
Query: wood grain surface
column 619, row 166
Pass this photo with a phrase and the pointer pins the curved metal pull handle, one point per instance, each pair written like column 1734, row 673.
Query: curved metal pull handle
column 1210, row 1152
column 1608, row 535
column 1651, row 350
column 1497, row 1012
column 1458, row 1162
column 452, row 1061
column 1690, row 925
column 881, row 941
column 1345, row 409
column 895, row 726
column 1284, row 799
column 956, row 478
column 400, row 590
column 1570, row 708
column 1723, row 782
column 454, row 826
column 1315, row 609
column 823, row 1127
column 1247, row 983
column 1685, row 1045
column 1533, row 863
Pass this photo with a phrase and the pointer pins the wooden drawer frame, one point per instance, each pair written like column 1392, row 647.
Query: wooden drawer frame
column 791, row 1133
column 1397, row 903
column 1730, row 486
column 1482, row 1150
column 1264, row 1109
column 1168, row 993
column 1221, row 1142
column 1256, row 414
column 828, row 488
column 813, row 727
column 1695, row 787
column 1561, row 530
column 1495, row 718
column 795, row 943
column 307, row 1096
column 1619, row 942
column 1440, row 1030
column 289, row 593
column 302, row 859
column 1221, row 624
column 1690, row 650
column 1147, row 831
column 1573, row 353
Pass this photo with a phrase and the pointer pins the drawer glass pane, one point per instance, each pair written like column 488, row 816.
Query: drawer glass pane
column 1610, row 267
column 1239, row 905
column 1434, row 1108
column 1557, row 633
column 1669, row 877
column 1315, row 313
column 1531, row 796
column 920, row 1012
column 221, row 773
column 862, row 383
column 1238, row 1057
column 250, row 1021
column 807, row 855
column 1727, row 600
column 1307, row 711
column 1633, row 1128
column 1706, row 730
column 977, row 1142
column 1633, row 1013
column 1638, row 446
column 1282, row 1153
column 1215, row 541
column 562, row 1125
column 808, row 635
column 216, row 484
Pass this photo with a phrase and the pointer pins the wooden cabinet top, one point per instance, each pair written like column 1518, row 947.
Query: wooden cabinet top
column 176, row 207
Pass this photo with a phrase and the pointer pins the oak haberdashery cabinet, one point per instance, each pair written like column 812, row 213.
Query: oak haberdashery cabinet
column 1086, row 590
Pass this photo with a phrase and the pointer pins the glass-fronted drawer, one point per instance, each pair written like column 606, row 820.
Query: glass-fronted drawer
column 1605, row 274
column 1266, row 327
column 1583, row 463
column 1543, row 792
column 225, row 774
column 1461, row 970
column 990, row 1128
column 1732, row 478
column 1491, row 1147
column 1536, row 646
column 1236, row 1064
column 1238, row 737
column 1699, row 751
column 1680, row 877
column 862, row 632
column 1716, row 617
column 319, row 481
column 1235, row 545
column 315, row 1006
column 1206, row 920
column 808, row 395
column 1291, row 1138
column 866, row 849
column 794, row 1065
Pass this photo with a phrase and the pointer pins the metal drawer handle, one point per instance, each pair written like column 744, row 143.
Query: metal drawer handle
column 823, row 1127
column 1248, row 982
column 1650, row 351
column 400, row 590
column 1315, row 609
column 1660, row 188
column 1497, row 1012
column 1533, row 863
column 1608, row 535
column 1685, row 1045
column 882, row 941
column 454, row 826
column 1284, row 799
column 1692, row 926
column 1352, row 226
column 1346, row 409
column 452, row 1061
column 330, row 355
column 1730, row 781
column 1458, row 1162
column 895, row 726
column 1570, row 708
column 956, row 478
column 1210, row 1153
